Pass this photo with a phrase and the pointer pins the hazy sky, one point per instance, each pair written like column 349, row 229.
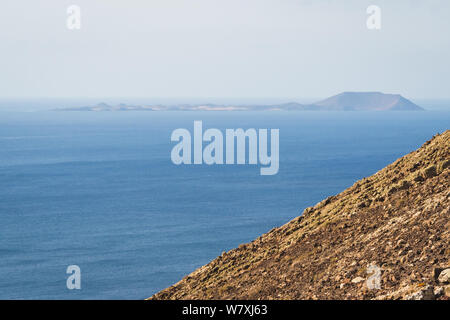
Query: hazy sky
column 223, row 48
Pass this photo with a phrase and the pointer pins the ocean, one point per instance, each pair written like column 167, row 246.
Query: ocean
column 99, row 190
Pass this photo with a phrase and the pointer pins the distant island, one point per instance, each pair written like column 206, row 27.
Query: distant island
column 346, row 101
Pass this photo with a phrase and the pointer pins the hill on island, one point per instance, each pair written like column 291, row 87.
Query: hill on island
column 376, row 101
column 385, row 237
column 346, row 101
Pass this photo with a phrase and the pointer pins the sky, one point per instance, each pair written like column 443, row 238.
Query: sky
column 215, row 49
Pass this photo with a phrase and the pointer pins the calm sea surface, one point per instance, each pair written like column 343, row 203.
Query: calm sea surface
column 99, row 190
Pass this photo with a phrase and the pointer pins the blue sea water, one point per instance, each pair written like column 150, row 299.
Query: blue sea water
column 99, row 190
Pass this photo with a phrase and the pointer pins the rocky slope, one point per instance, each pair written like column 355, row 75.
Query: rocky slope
column 393, row 226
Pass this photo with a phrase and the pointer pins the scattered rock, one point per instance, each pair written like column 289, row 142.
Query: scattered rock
column 447, row 291
column 438, row 291
column 444, row 276
column 358, row 280
column 426, row 293
column 430, row 171
column 443, row 165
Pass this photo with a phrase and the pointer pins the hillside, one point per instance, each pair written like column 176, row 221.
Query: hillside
column 396, row 219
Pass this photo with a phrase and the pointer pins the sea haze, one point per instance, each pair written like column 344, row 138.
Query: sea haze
column 99, row 190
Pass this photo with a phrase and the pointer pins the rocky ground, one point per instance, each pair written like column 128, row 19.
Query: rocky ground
column 385, row 237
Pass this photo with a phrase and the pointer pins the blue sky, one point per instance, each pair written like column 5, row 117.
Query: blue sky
column 237, row 49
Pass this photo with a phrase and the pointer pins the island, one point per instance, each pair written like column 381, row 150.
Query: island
column 346, row 101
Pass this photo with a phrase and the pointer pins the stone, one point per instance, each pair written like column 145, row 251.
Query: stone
column 426, row 293
column 447, row 291
column 357, row 280
column 438, row 291
column 430, row 171
column 444, row 276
